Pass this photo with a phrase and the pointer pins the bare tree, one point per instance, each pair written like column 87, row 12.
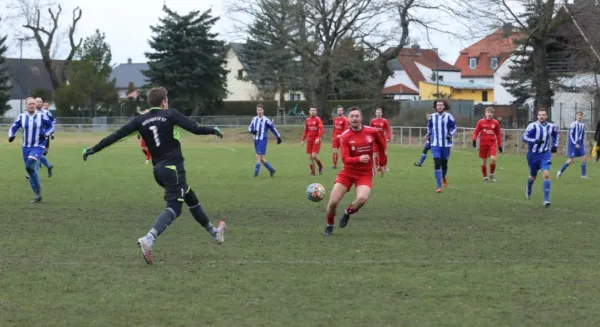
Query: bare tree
column 313, row 33
column 47, row 33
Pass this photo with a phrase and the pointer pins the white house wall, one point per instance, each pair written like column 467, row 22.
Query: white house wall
column 501, row 94
column 400, row 77
column 446, row 76
column 567, row 104
column 239, row 90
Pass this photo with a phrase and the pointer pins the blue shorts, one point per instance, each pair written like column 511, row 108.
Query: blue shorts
column 33, row 152
column 573, row 152
column 440, row 152
column 537, row 162
column 427, row 146
column 260, row 147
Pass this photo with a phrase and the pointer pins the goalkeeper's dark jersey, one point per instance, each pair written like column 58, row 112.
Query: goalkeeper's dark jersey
column 158, row 129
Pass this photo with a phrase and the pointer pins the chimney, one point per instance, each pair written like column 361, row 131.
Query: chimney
column 417, row 48
column 507, row 30
column 129, row 60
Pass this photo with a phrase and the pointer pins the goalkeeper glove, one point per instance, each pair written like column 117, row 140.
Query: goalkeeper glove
column 474, row 143
column 500, row 149
column 553, row 150
column 217, row 132
column 87, row 152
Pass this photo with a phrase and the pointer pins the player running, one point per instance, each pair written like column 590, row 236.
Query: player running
column 158, row 129
column 440, row 129
column 575, row 146
column 143, row 143
column 259, row 128
column 540, row 151
column 490, row 137
column 340, row 124
column 43, row 107
column 37, row 128
column 383, row 127
column 426, row 148
column 312, row 136
column 357, row 145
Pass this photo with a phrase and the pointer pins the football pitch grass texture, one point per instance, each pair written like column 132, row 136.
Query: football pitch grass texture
column 476, row 255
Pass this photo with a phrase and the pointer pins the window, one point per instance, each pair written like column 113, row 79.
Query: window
column 441, row 78
column 472, row 63
column 294, row 97
column 484, row 96
column 240, row 73
column 494, row 62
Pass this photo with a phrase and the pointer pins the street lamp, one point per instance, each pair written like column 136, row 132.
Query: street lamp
column 437, row 72
column 21, row 40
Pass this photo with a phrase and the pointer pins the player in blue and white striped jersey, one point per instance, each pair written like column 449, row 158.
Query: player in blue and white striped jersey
column 575, row 146
column 440, row 129
column 259, row 128
column 540, row 151
column 37, row 127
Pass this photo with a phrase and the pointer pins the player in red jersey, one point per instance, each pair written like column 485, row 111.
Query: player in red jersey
column 340, row 124
column 383, row 127
column 143, row 144
column 313, row 132
column 357, row 144
column 488, row 131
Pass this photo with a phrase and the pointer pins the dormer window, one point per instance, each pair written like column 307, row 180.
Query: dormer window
column 494, row 62
column 240, row 73
column 472, row 63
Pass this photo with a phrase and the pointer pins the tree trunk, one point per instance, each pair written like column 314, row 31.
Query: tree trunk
column 541, row 78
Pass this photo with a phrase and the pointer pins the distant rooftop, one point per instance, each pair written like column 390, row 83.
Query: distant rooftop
column 463, row 85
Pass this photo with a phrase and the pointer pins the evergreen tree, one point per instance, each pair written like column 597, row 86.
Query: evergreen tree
column 5, row 87
column 188, row 60
column 353, row 77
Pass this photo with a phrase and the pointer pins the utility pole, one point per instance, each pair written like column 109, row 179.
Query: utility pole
column 21, row 96
column 437, row 72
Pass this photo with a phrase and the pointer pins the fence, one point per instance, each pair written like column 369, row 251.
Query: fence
column 402, row 135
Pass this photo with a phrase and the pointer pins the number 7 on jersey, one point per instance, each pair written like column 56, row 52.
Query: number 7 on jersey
column 154, row 130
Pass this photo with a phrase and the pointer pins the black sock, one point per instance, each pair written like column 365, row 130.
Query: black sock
column 164, row 220
column 202, row 218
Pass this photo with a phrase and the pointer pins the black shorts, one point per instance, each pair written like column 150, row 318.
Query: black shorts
column 48, row 143
column 171, row 177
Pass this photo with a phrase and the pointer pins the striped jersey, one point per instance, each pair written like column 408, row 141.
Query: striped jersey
column 439, row 127
column 576, row 133
column 262, row 125
column 33, row 126
column 540, row 131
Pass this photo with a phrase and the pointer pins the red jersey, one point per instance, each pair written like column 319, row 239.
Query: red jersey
column 383, row 127
column 354, row 144
column 490, row 132
column 340, row 124
column 313, row 128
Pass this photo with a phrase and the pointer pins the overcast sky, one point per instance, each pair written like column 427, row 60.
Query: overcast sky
column 126, row 24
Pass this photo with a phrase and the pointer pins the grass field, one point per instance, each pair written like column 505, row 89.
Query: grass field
column 476, row 255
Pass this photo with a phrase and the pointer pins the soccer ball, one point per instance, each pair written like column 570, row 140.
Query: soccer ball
column 315, row 192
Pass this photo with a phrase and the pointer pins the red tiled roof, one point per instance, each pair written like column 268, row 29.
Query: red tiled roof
column 409, row 57
column 493, row 45
column 399, row 89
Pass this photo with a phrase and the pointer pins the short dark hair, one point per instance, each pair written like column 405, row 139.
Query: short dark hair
column 46, row 101
column 156, row 96
column 351, row 109
column 446, row 105
column 543, row 109
column 259, row 106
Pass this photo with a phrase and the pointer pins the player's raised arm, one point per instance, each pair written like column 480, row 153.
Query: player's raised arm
column 529, row 135
column 191, row 126
column 345, row 149
column 14, row 128
column 125, row 130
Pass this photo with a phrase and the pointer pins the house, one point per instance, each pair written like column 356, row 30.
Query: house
column 479, row 93
column 26, row 77
column 126, row 73
column 242, row 88
column 412, row 66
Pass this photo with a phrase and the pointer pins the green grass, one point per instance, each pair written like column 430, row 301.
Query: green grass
column 476, row 255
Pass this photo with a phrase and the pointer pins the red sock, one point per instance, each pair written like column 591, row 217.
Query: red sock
column 335, row 159
column 492, row 168
column 312, row 168
column 350, row 210
column 330, row 218
column 484, row 170
column 319, row 163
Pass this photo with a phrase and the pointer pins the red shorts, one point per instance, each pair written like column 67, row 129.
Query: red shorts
column 143, row 144
column 335, row 142
column 348, row 180
column 312, row 147
column 487, row 151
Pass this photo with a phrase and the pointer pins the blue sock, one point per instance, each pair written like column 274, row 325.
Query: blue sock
column 45, row 162
column 423, row 157
column 34, row 181
column 268, row 166
column 529, row 186
column 256, row 169
column 444, row 172
column 564, row 167
column 584, row 169
column 547, row 190
column 438, row 177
